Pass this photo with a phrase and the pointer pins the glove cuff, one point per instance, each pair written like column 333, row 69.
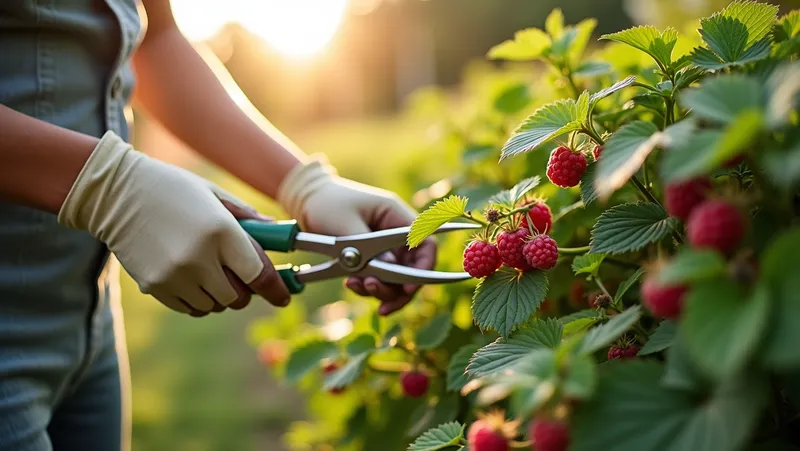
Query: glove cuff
column 301, row 182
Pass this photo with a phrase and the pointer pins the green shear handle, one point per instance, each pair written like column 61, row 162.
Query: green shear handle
column 280, row 237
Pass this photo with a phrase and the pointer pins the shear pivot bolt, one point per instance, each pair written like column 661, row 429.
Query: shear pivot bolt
column 351, row 257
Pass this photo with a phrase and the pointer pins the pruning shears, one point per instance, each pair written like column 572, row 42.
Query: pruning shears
column 351, row 255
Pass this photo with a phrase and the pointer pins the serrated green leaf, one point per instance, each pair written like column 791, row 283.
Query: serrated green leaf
column 603, row 93
column 664, row 419
column 587, row 263
column 527, row 45
column 435, row 332
column 545, row 124
column 778, row 269
column 757, row 17
column 583, row 34
column 687, row 76
column 605, row 334
column 554, row 24
column 347, row 373
column 627, row 284
column 360, row 344
column 308, row 357
column 707, row 59
column 691, row 265
column 580, row 314
column 506, row 354
column 592, row 69
column 651, row 101
column 513, row 99
column 448, row 434
column 579, row 325
column 658, row 45
column 507, row 298
column 588, row 194
column 722, row 99
column 623, row 155
column 427, row 416
column 628, row 227
column 434, row 217
column 722, row 326
column 661, row 339
column 509, row 198
column 457, row 376
column 788, row 26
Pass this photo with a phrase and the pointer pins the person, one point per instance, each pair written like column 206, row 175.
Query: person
column 77, row 198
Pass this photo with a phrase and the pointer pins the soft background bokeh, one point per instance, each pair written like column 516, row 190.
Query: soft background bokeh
column 343, row 77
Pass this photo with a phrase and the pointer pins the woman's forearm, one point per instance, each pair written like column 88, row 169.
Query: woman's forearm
column 179, row 89
column 39, row 161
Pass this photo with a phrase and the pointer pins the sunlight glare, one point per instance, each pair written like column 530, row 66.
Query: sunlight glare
column 297, row 28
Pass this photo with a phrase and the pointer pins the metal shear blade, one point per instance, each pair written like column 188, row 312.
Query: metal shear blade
column 358, row 255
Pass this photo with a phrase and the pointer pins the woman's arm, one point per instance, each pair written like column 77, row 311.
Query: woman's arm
column 178, row 88
column 39, row 161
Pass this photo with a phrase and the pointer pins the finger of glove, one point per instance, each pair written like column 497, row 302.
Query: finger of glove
column 171, row 301
column 268, row 284
column 243, row 291
column 237, row 207
column 197, row 299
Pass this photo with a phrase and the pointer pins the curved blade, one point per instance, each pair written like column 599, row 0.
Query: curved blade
column 373, row 244
column 394, row 273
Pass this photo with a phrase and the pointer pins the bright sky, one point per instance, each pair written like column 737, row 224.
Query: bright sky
column 296, row 28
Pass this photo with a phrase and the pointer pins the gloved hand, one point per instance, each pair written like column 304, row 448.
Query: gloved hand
column 323, row 202
column 174, row 232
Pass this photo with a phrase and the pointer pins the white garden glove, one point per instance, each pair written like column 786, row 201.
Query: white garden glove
column 323, row 202
column 174, row 232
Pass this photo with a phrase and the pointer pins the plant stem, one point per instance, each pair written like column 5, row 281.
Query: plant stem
column 602, row 287
column 645, row 191
column 589, row 130
column 524, row 209
column 469, row 216
column 573, row 250
column 645, row 86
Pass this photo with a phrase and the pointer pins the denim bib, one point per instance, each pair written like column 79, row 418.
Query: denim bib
column 66, row 62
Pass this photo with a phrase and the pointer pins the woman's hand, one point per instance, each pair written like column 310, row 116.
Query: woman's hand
column 174, row 232
column 324, row 203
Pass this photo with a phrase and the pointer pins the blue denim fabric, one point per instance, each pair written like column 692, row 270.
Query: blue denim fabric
column 62, row 371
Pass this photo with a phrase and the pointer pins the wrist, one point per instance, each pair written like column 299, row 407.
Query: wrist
column 301, row 182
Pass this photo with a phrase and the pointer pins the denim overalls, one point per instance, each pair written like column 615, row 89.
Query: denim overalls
column 63, row 375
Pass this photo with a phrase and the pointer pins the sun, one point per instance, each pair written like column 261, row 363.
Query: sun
column 296, row 28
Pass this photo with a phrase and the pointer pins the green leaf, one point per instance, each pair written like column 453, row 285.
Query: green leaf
column 660, row 419
column 629, row 227
column 505, row 354
column 446, row 435
column 507, row 298
column 587, row 263
column 602, row 336
column 691, row 265
column 361, row 344
column 308, row 357
column 708, row 60
column 513, row 99
column 757, row 17
column 722, row 99
column 784, row 94
column 435, row 332
column 389, row 338
column 527, row 45
column 349, row 372
column 592, row 69
column 580, row 314
column 509, row 198
column 661, row 339
column 588, row 194
column 603, row 93
column 580, row 381
column 658, row 45
column 579, row 325
column 457, row 376
column 583, row 33
column 788, row 26
column 554, row 24
column 434, row 217
column 722, row 326
column 432, row 414
column 780, row 282
column 783, row 167
column 627, row 284
column 623, row 155
column 710, row 149
column 682, row 373
column 545, row 124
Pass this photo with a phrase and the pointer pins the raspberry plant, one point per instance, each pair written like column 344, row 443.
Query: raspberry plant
column 659, row 195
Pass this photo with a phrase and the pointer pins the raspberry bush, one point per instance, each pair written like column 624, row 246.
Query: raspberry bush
column 636, row 270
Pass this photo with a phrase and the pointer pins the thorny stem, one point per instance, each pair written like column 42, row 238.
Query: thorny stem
column 573, row 250
column 602, row 287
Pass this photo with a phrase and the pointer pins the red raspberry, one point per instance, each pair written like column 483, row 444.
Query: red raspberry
column 622, row 353
column 482, row 437
column 566, row 167
column 415, row 384
column 542, row 218
column 481, row 259
column 663, row 301
column 541, row 252
column 681, row 198
column 510, row 245
column 716, row 224
column 549, row 435
column 596, row 152
column 330, row 368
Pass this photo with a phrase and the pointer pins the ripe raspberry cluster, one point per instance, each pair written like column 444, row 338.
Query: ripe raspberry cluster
column 414, row 383
column 566, row 167
column 523, row 247
column 623, row 352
